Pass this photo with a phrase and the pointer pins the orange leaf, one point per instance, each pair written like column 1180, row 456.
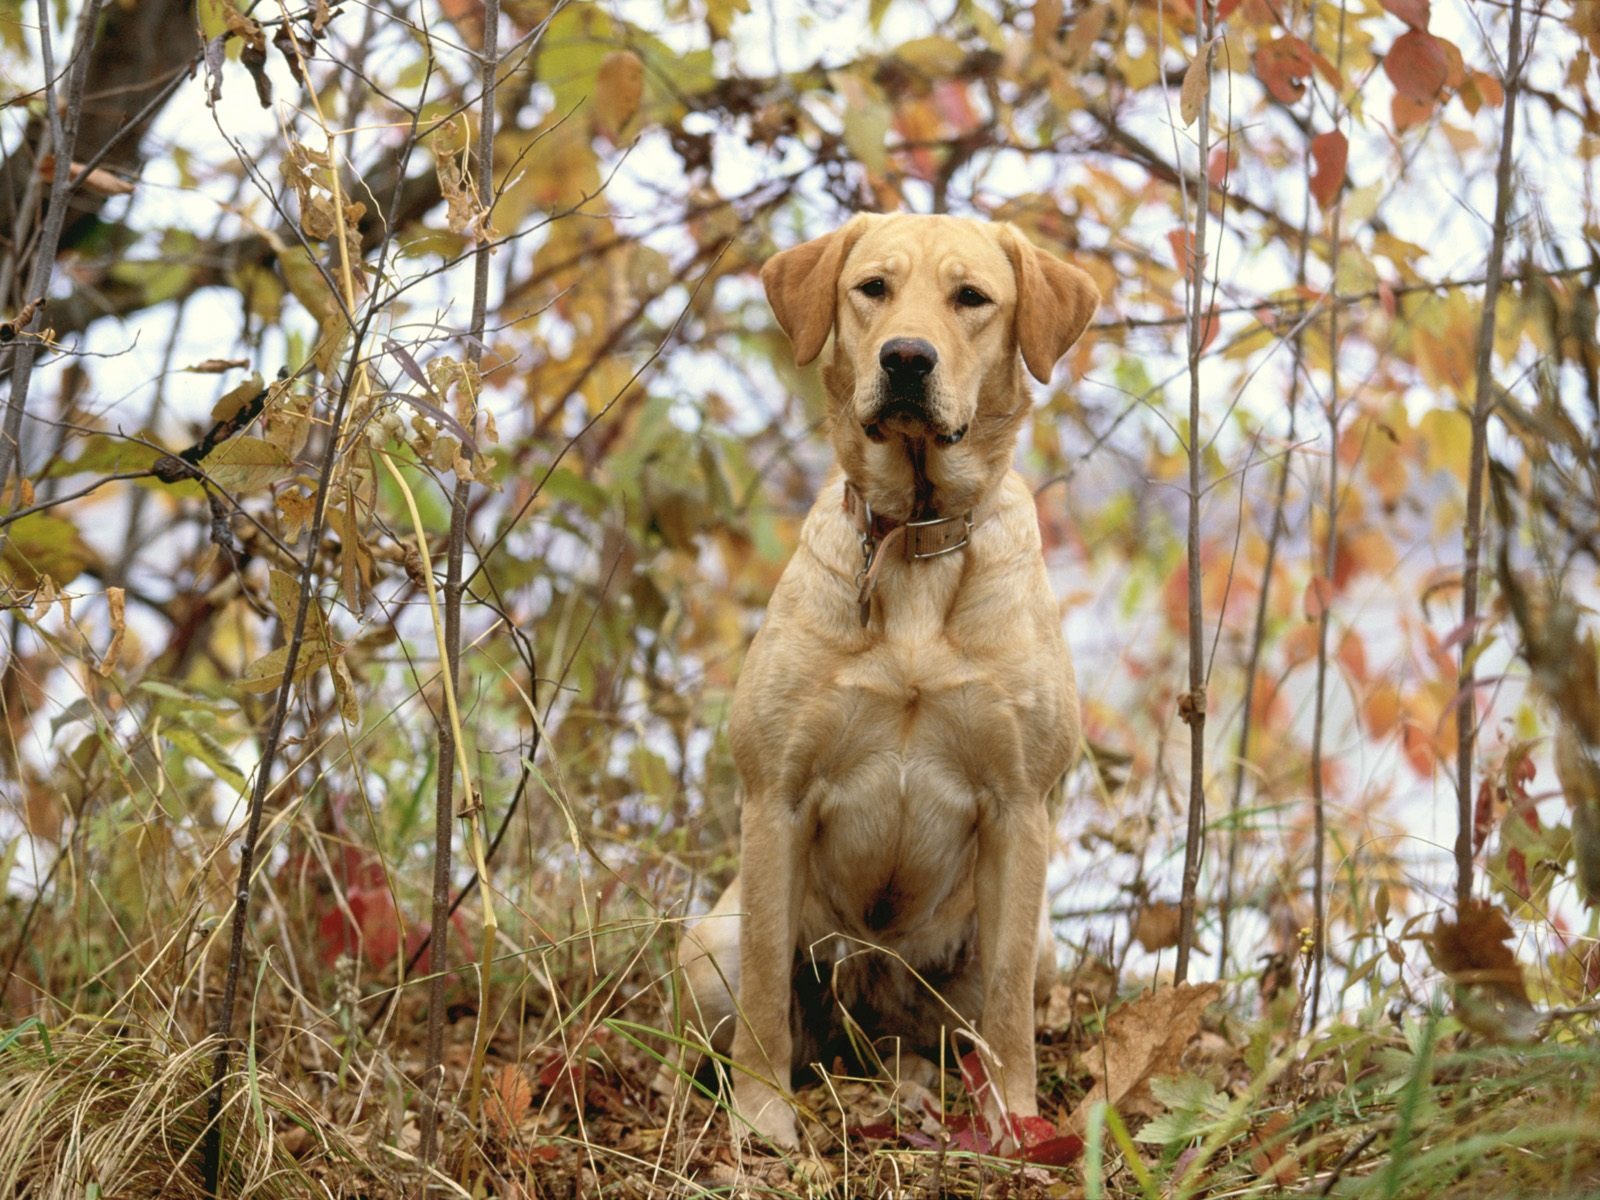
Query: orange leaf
column 1418, row 65
column 1282, row 65
column 1413, row 12
column 510, row 1094
column 1407, row 113
column 1353, row 655
column 1318, row 593
column 1329, row 151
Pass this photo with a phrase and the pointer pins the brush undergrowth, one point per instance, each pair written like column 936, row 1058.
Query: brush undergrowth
column 102, row 1087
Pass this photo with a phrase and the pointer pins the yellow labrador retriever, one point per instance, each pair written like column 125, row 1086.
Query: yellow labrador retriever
column 908, row 707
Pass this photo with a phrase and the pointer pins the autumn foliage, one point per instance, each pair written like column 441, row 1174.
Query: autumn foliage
column 398, row 453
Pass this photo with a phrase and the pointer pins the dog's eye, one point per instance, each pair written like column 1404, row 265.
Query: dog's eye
column 873, row 288
column 971, row 297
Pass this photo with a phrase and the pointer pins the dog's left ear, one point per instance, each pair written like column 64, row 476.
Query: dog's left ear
column 803, row 283
column 1055, row 301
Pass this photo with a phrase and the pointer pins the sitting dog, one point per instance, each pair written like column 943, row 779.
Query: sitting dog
column 908, row 708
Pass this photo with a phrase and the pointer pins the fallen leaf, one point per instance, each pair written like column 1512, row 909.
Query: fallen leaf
column 510, row 1095
column 1146, row 1036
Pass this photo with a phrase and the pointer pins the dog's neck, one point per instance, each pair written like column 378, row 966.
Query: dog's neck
column 911, row 479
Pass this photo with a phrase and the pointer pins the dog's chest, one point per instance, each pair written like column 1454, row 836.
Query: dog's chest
column 898, row 790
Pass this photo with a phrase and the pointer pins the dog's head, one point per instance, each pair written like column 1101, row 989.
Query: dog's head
column 930, row 315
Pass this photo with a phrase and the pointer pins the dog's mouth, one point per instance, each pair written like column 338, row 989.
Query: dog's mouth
column 909, row 419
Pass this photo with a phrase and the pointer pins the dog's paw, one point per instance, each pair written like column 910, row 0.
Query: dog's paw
column 760, row 1111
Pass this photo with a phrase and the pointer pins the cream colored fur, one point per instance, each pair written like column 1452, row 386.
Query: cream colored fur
column 897, row 777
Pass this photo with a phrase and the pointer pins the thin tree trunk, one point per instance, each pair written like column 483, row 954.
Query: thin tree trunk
column 1472, row 533
column 1192, row 709
column 444, row 806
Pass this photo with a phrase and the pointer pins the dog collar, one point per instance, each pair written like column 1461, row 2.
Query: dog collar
column 931, row 538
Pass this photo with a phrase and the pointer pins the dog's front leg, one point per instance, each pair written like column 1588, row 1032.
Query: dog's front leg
column 1013, row 849
column 771, row 876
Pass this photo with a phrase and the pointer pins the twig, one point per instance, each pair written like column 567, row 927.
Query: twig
column 1472, row 531
column 1319, row 813
column 63, row 130
column 1259, row 629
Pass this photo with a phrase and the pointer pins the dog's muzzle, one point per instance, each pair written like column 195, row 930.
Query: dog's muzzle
column 903, row 391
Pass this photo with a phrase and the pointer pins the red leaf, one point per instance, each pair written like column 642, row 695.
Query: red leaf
column 1329, row 152
column 1282, row 65
column 1413, row 12
column 1182, row 242
column 1319, row 591
column 1418, row 65
column 1223, row 161
column 1483, row 813
column 1056, row 1152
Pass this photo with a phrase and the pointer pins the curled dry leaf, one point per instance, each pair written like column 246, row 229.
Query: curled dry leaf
column 216, row 366
column 1195, row 82
column 116, row 604
column 1144, row 1037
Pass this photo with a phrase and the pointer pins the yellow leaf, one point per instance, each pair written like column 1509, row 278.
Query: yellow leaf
column 43, row 544
column 244, row 464
column 1447, row 439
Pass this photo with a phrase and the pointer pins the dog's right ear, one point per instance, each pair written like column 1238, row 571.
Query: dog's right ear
column 803, row 283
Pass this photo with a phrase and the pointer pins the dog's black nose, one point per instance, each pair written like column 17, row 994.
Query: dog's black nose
column 908, row 360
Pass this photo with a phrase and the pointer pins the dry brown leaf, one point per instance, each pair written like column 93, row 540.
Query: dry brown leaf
column 216, row 366
column 619, row 88
column 1158, row 926
column 1491, row 995
column 1144, row 1037
column 97, row 180
column 1578, row 769
column 116, row 602
column 1195, row 81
